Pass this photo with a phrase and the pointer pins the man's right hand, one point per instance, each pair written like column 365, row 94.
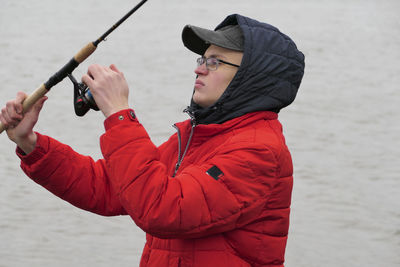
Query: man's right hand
column 19, row 125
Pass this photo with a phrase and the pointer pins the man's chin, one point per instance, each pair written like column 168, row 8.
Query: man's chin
column 199, row 103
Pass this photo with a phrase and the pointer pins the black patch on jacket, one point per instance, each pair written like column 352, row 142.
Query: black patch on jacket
column 215, row 173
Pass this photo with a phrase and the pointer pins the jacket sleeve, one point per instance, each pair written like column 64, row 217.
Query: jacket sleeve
column 71, row 176
column 193, row 204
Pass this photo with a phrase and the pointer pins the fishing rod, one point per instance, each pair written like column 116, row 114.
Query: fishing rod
column 82, row 93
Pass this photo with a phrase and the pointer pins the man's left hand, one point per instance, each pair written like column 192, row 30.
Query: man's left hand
column 108, row 87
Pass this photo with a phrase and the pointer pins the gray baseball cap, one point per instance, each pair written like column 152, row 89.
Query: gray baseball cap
column 199, row 39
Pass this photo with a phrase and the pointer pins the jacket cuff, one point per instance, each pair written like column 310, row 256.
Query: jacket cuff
column 41, row 148
column 121, row 117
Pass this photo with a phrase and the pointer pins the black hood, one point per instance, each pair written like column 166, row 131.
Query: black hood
column 268, row 78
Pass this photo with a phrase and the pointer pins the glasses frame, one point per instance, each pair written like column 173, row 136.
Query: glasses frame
column 201, row 60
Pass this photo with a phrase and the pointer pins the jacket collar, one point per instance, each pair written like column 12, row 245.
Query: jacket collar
column 207, row 130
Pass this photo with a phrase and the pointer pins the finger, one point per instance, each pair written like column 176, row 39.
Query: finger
column 11, row 112
column 94, row 71
column 21, row 96
column 114, row 68
column 6, row 120
column 11, row 122
column 86, row 79
column 2, row 119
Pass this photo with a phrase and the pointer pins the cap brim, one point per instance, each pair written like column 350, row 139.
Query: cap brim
column 192, row 39
column 199, row 39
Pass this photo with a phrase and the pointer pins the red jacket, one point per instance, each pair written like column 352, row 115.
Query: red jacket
column 227, row 205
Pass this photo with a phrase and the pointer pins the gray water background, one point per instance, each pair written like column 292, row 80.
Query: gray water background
column 343, row 129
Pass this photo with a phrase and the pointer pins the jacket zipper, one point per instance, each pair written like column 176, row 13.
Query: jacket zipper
column 182, row 156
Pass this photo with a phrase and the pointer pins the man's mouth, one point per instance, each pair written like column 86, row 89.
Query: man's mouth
column 198, row 83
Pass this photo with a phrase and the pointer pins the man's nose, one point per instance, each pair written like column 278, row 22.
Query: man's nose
column 201, row 69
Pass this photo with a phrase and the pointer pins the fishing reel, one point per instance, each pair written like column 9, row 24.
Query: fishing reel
column 83, row 98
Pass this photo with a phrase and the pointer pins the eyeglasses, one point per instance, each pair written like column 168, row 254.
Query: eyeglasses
column 212, row 63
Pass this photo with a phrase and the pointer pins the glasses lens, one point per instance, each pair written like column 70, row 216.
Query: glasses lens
column 200, row 61
column 212, row 63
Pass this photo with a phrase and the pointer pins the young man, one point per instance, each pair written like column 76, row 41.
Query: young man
column 218, row 192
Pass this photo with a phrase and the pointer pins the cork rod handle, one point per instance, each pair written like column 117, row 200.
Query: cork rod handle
column 83, row 54
column 30, row 101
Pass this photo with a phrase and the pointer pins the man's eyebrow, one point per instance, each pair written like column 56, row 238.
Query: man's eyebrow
column 216, row 56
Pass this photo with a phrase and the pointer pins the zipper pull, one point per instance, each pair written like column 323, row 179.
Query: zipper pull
column 176, row 168
column 191, row 115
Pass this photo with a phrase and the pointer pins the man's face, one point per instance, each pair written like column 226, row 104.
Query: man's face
column 210, row 85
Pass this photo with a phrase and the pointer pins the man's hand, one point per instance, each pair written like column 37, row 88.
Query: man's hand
column 19, row 126
column 108, row 87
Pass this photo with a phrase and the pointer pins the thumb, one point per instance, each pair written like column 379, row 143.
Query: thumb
column 39, row 104
column 37, row 107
